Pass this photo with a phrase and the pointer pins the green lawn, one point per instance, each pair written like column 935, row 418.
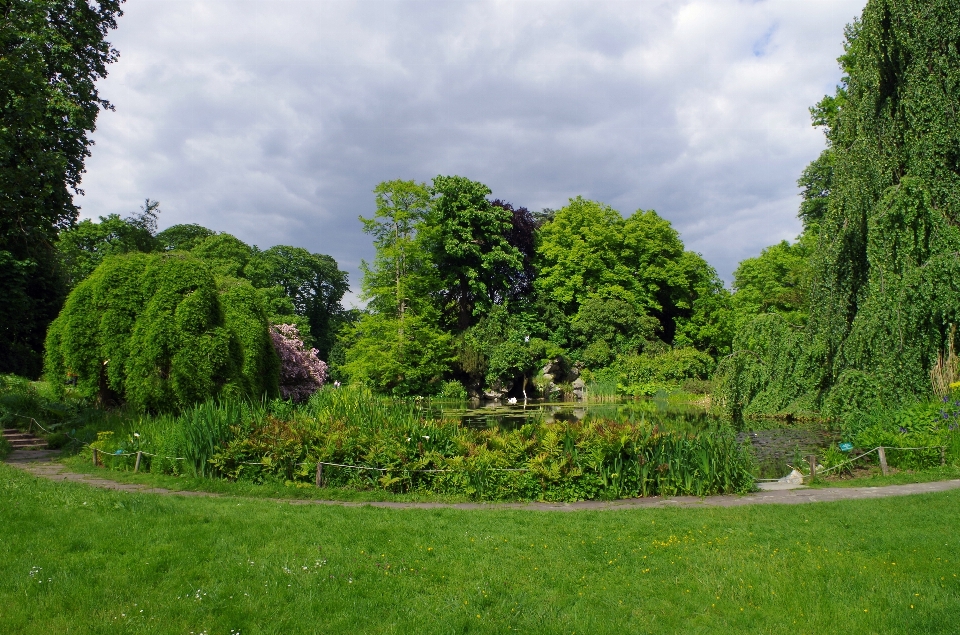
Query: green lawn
column 873, row 478
column 74, row 559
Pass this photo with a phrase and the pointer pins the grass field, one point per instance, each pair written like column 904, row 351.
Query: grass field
column 74, row 559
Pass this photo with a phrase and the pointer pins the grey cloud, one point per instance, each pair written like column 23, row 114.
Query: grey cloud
column 274, row 121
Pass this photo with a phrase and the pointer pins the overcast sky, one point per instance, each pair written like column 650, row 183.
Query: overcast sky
column 274, row 120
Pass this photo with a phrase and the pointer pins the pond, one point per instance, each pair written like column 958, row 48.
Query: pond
column 778, row 445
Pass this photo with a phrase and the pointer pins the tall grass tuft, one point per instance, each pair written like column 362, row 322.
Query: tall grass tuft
column 206, row 428
column 358, row 407
column 602, row 390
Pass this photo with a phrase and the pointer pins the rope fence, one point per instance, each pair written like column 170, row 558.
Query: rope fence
column 98, row 456
column 881, row 454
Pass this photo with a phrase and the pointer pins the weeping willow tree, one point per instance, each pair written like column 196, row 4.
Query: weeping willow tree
column 162, row 332
column 883, row 205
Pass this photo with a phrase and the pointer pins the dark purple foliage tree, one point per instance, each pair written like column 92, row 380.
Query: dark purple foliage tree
column 522, row 237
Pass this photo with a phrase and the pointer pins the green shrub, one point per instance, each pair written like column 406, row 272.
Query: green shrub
column 658, row 369
column 22, row 400
column 697, row 386
column 5, row 448
column 58, row 440
column 929, row 425
column 452, row 390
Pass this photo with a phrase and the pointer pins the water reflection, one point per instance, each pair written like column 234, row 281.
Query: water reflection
column 668, row 415
column 778, row 445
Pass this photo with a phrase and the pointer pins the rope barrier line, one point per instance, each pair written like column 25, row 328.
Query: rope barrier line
column 402, row 469
column 32, row 419
column 174, row 458
column 848, row 461
column 877, row 449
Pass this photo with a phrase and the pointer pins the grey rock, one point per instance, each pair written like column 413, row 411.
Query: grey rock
column 579, row 389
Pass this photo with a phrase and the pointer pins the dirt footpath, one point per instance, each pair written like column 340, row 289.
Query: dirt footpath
column 41, row 464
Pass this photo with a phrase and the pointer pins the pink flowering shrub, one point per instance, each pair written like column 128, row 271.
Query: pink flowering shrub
column 302, row 373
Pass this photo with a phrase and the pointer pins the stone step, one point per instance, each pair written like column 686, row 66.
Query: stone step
column 13, row 432
column 23, row 441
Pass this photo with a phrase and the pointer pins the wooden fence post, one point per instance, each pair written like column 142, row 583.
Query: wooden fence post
column 96, row 459
column 943, row 455
column 812, row 460
column 319, row 474
column 136, row 466
column 883, row 460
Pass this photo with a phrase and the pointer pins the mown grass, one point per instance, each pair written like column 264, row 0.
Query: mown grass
column 74, row 559
column 872, row 477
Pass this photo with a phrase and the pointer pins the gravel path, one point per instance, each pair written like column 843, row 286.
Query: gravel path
column 41, row 464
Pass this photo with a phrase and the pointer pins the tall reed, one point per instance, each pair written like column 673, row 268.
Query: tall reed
column 602, row 390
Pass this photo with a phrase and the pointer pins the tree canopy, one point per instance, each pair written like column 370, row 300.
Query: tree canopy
column 52, row 52
column 478, row 290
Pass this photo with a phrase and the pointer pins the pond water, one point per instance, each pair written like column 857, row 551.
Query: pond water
column 777, row 444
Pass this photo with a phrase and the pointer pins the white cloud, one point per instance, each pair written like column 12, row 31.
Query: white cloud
column 274, row 121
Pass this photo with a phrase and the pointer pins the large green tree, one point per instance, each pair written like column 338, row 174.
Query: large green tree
column 884, row 202
column 52, row 52
column 314, row 284
column 776, row 281
column 397, row 345
column 400, row 278
column 468, row 241
column 182, row 237
column 611, row 276
column 84, row 246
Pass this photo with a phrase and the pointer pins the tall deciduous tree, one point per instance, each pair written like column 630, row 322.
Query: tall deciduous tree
column 467, row 239
column 594, row 261
column 182, row 237
column 84, row 246
column 52, row 52
column 396, row 278
column 777, row 281
column 522, row 236
column 397, row 345
column 313, row 282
